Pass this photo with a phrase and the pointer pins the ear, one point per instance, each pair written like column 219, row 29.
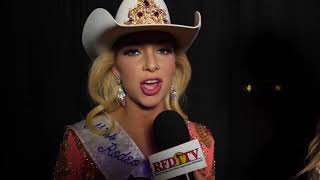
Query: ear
column 115, row 72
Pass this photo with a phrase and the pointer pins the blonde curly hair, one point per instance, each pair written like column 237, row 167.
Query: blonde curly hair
column 313, row 157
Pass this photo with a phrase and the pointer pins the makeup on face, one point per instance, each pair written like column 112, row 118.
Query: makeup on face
column 151, row 86
column 146, row 65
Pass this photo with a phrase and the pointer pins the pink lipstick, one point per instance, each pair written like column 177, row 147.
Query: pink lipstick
column 151, row 87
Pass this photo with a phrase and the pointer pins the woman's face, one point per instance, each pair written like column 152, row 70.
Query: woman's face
column 145, row 64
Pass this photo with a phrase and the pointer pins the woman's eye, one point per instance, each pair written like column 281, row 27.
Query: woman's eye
column 131, row 52
column 165, row 51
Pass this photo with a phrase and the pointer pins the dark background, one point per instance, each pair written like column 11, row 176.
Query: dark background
column 261, row 134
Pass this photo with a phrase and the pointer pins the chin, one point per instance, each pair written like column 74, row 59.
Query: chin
column 150, row 103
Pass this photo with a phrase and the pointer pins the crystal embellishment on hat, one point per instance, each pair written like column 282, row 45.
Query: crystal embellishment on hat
column 146, row 12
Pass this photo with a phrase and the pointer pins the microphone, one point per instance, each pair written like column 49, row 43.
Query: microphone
column 170, row 130
column 178, row 156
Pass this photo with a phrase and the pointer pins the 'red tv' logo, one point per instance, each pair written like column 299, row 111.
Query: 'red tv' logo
column 178, row 159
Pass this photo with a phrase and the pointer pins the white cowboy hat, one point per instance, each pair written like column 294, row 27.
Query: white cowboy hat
column 101, row 30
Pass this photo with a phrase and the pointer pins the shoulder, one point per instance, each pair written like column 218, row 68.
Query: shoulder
column 73, row 159
column 68, row 157
column 201, row 132
column 207, row 142
column 70, row 137
column 71, row 144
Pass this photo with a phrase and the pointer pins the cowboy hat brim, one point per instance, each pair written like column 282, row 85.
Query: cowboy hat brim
column 101, row 30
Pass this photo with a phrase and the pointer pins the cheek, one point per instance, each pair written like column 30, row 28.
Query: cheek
column 170, row 68
column 129, row 75
column 127, row 69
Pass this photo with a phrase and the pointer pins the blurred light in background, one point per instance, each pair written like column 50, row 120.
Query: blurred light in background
column 248, row 88
column 277, row 87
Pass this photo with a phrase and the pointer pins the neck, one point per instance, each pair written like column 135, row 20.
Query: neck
column 133, row 116
column 138, row 123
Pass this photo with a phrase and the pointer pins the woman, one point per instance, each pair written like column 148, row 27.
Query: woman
column 139, row 70
column 313, row 166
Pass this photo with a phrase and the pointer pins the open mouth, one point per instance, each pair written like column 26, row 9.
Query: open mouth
column 151, row 87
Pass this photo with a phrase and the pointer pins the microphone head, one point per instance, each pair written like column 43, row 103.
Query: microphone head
column 170, row 130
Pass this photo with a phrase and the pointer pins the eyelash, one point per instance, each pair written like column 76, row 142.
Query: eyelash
column 165, row 51
column 131, row 52
column 135, row 52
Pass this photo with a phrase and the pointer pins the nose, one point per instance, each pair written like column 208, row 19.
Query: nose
column 150, row 61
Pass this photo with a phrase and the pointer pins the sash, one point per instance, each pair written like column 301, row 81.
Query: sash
column 116, row 155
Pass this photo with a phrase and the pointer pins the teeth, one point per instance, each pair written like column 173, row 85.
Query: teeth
column 151, row 81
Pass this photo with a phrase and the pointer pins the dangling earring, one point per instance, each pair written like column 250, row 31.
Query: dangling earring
column 173, row 93
column 121, row 95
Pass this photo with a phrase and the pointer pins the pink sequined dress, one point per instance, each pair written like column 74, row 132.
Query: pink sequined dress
column 84, row 155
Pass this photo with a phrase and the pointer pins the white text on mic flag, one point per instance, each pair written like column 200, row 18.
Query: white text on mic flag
column 177, row 160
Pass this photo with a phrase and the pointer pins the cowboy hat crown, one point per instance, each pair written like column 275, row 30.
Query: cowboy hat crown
column 101, row 30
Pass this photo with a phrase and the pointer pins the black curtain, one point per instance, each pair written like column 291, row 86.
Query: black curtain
column 271, row 46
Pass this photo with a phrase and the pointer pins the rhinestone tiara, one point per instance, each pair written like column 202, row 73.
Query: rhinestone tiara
column 146, row 12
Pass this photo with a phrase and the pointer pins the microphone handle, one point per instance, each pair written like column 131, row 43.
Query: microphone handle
column 188, row 176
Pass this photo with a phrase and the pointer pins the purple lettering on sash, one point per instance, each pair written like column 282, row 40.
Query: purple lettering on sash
column 122, row 156
column 115, row 154
column 112, row 148
column 112, row 152
column 111, row 137
column 128, row 160
column 134, row 163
